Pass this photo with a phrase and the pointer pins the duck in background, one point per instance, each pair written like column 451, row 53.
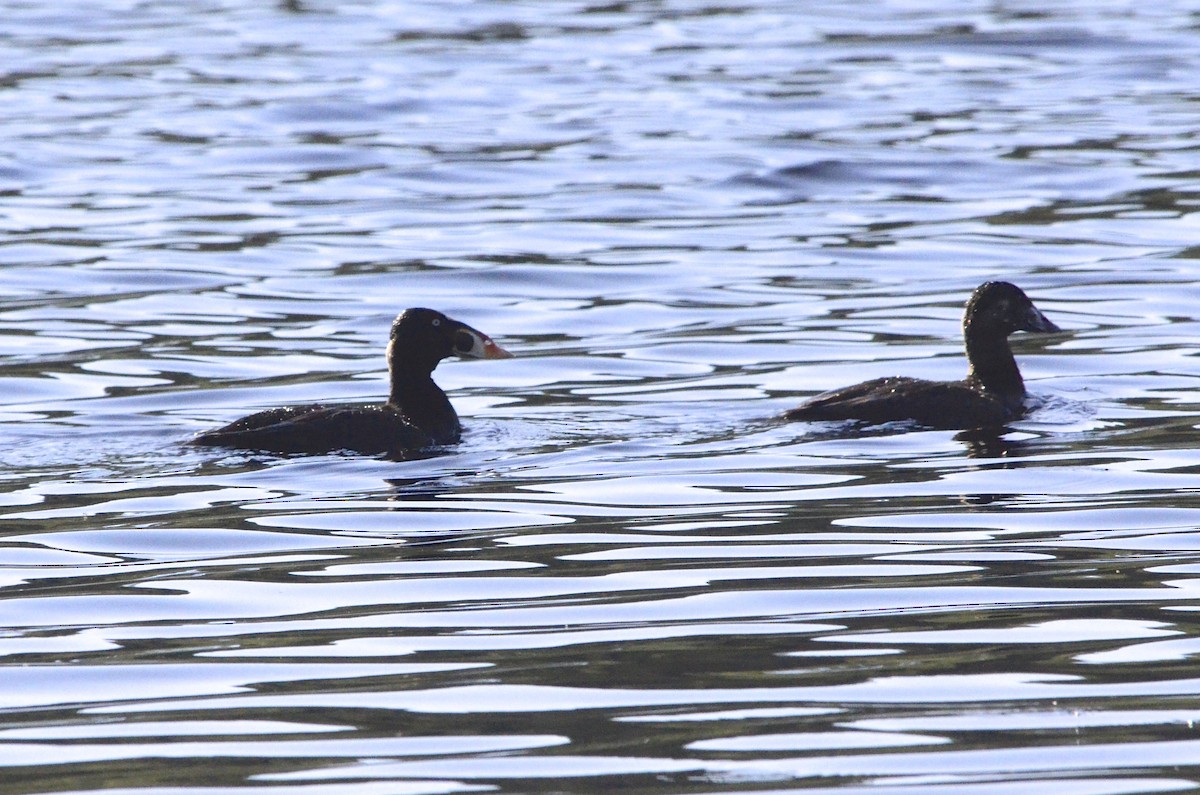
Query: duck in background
column 992, row 394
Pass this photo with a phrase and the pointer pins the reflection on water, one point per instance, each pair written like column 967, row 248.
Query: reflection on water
column 682, row 218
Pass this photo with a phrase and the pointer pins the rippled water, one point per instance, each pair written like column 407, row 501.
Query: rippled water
column 683, row 218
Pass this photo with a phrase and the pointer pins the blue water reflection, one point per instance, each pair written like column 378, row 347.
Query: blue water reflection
column 683, row 218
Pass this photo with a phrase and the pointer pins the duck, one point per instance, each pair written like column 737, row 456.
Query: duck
column 417, row 413
column 992, row 394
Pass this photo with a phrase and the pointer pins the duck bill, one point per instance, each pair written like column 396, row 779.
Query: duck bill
column 1036, row 321
column 472, row 344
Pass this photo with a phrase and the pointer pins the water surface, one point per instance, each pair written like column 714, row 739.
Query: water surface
column 683, row 218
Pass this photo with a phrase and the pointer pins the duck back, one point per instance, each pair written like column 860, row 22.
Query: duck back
column 936, row 404
column 316, row 429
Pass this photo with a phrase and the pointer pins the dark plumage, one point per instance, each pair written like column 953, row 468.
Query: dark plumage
column 993, row 392
column 417, row 413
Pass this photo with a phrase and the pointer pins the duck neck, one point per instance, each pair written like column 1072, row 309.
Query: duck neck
column 994, row 369
column 424, row 404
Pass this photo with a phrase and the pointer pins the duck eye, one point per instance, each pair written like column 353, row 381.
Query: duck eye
column 436, row 322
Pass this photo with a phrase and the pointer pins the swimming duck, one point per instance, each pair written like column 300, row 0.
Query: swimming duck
column 992, row 394
column 417, row 413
